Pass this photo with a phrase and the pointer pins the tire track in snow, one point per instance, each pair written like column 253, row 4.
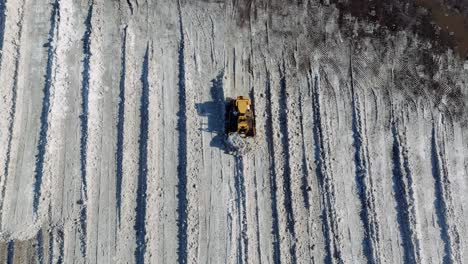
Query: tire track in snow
column 11, row 118
column 182, row 152
column 44, row 118
column 84, row 127
column 329, row 218
column 283, row 119
column 363, row 180
column 404, row 198
column 120, row 125
column 272, row 172
column 140, row 228
column 448, row 234
column 239, row 183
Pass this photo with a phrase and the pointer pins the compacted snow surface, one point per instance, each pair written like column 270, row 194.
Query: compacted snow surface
column 113, row 145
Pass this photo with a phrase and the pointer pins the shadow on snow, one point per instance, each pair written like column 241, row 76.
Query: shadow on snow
column 215, row 111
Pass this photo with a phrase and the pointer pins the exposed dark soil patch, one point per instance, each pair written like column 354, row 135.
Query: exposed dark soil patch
column 444, row 24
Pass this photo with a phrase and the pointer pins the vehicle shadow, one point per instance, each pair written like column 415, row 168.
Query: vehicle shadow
column 215, row 111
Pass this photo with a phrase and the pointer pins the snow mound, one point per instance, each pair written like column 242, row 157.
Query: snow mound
column 238, row 146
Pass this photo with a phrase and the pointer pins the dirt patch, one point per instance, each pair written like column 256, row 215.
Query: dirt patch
column 450, row 24
column 445, row 25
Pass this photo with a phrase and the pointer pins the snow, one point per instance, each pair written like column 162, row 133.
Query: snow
column 239, row 146
column 359, row 154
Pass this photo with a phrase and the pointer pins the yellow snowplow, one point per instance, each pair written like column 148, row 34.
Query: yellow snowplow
column 240, row 117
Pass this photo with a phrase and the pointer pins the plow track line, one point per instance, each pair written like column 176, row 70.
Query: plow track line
column 329, row 218
column 140, row 228
column 305, row 171
column 363, row 180
column 453, row 230
column 411, row 198
column 443, row 202
column 44, row 118
column 182, row 152
column 372, row 200
column 51, row 247
column 257, row 231
column 84, row 127
column 239, row 183
column 120, row 126
column 61, row 241
column 401, row 198
column 11, row 118
column 40, row 246
column 272, row 172
column 283, row 119
column 305, row 186
column 85, row 100
column 439, row 202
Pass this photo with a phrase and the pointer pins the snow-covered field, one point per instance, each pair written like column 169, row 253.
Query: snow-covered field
column 113, row 148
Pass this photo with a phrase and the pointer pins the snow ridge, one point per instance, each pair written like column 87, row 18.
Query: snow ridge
column 401, row 197
column 84, row 126
column 40, row 247
column 11, row 118
column 272, row 172
column 257, row 231
column 411, row 200
column 443, row 203
column 44, row 126
column 453, row 230
column 363, row 180
column 329, row 216
column 439, row 202
column 85, row 99
column 61, row 245
column 283, row 119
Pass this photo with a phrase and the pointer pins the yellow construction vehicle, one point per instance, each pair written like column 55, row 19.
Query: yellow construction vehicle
column 240, row 117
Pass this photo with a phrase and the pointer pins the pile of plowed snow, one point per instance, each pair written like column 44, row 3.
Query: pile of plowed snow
column 238, row 146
